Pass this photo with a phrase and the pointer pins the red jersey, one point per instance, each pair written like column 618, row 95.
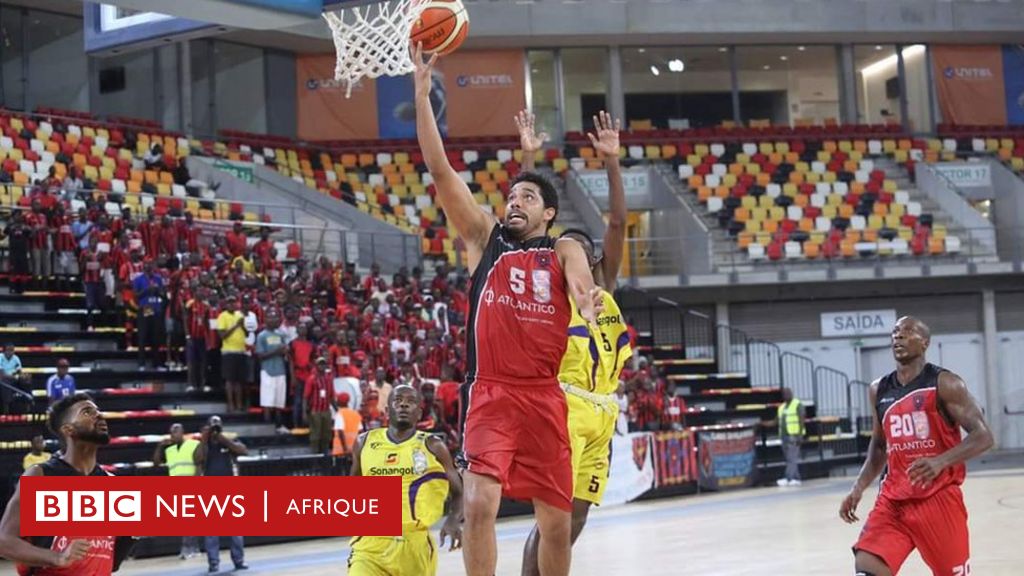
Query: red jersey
column 188, row 234
column 675, row 410
column 37, row 222
column 64, row 239
column 168, row 240
column 91, row 263
column 915, row 427
column 520, row 312
column 302, row 358
column 236, row 243
column 150, row 232
column 197, row 319
column 318, row 392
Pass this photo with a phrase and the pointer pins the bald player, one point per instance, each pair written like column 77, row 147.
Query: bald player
column 919, row 411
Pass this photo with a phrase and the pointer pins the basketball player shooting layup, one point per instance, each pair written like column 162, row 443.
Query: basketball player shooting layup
column 919, row 411
column 515, row 438
column 428, row 475
column 595, row 356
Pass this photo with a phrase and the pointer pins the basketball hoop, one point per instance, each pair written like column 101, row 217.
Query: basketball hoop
column 372, row 40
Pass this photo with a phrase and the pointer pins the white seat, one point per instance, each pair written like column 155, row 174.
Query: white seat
column 793, row 250
column 48, row 157
column 6, row 143
column 77, row 205
column 415, row 221
column 774, row 190
column 914, row 208
column 410, row 211
column 138, row 164
column 636, row 152
column 118, row 186
column 360, row 196
column 916, row 154
column 331, row 175
column 841, row 188
column 755, row 252
column 207, row 194
column 299, row 179
column 112, row 208
column 504, row 155
column 685, row 171
column 43, row 169
column 268, row 152
column 862, row 176
column 712, row 180
column 949, row 145
column 952, row 244
column 822, row 224
column 819, row 200
column 867, row 165
column 823, row 188
column 376, row 179
column 466, row 176
column 148, row 201
column 577, row 164
column 749, row 148
column 717, row 149
column 902, row 197
column 714, row 204
column 245, row 149
column 383, row 158
column 259, row 159
column 884, row 247
column 858, row 222
column 394, row 200
column 75, row 129
column 818, row 167
column 978, row 144
column 794, row 213
column 719, row 169
column 102, row 143
column 46, row 127
column 900, row 247
column 426, row 178
column 37, row 146
column 874, row 147
column 470, row 156
column 423, row 201
column 178, row 191
column 183, row 144
column 27, row 166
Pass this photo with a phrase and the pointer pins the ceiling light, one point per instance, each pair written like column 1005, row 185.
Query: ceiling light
column 878, row 47
column 723, row 49
column 676, row 65
column 801, row 48
column 654, row 70
column 767, row 67
column 641, row 50
column 783, row 58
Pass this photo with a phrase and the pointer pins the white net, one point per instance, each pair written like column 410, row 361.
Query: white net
column 373, row 40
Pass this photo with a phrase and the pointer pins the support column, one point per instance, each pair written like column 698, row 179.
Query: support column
column 616, row 94
column 734, row 76
column 847, row 85
column 559, row 135
column 901, row 69
column 185, row 87
column 723, row 342
column 993, row 394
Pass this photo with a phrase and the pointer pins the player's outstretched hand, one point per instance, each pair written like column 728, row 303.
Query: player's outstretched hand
column 529, row 140
column 592, row 305
column 924, row 471
column 75, row 551
column 606, row 141
column 848, row 510
column 422, row 70
column 452, row 529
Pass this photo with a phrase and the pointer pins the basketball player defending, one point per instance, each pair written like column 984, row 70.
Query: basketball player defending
column 919, row 411
column 595, row 356
column 428, row 475
column 81, row 426
column 515, row 438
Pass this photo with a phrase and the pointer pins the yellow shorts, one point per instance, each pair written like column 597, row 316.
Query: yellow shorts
column 591, row 427
column 413, row 553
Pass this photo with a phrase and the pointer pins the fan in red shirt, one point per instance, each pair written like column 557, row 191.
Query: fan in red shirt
column 91, row 263
column 188, row 233
column 64, row 245
column 236, row 240
column 149, row 229
column 168, row 237
column 261, row 249
column 674, row 416
column 370, row 282
column 300, row 360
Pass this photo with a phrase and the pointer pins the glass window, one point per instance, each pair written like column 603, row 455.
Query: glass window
column 585, row 72
column 788, row 85
column 543, row 93
column 676, row 87
column 12, row 87
column 878, row 85
column 126, row 85
column 241, row 94
column 915, row 70
column 202, row 101
column 58, row 64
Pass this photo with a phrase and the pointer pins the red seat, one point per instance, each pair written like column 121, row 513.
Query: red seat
column 775, row 251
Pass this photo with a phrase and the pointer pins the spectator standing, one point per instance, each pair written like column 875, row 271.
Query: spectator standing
column 791, row 421
column 150, row 294
column 91, row 264
column 217, row 455
column 234, row 361
column 319, row 398
column 236, row 240
column 347, row 425
column 37, row 455
column 64, row 246
column 196, row 328
column 60, row 384
column 72, row 184
column 272, row 350
column 19, row 237
column 178, row 453
column 674, row 416
column 38, row 220
column 300, row 361
column 168, row 245
column 149, row 229
column 82, row 229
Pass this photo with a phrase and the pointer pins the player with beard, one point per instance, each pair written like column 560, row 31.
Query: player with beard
column 82, row 429
column 919, row 411
column 514, row 431
column 428, row 476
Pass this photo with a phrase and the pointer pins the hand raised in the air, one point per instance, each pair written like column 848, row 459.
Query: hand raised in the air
column 591, row 305
column 529, row 140
column 606, row 141
column 422, row 70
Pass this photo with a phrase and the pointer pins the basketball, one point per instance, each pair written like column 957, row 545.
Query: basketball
column 442, row 26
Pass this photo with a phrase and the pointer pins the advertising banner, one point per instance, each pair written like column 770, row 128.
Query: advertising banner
column 484, row 89
column 632, row 468
column 969, row 81
column 324, row 113
column 675, row 461
column 727, row 459
column 1013, row 75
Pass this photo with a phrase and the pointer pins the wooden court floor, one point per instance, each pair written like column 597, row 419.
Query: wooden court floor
column 784, row 531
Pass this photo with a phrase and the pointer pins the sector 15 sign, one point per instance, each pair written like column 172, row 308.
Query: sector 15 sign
column 859, row 323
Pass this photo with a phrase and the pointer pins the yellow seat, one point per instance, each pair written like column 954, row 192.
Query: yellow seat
column 753, row 225
column 748, row 202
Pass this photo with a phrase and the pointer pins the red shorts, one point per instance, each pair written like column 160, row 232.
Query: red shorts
column 936, row 526
column 519, row 436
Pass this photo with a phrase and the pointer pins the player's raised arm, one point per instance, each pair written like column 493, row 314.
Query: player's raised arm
column 470, row 221
column 963, row 410
column 873, row 464
column 529, row 140
column 606, row 143
column 579, row 280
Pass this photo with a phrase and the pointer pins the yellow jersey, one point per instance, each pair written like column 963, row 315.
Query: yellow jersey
column 594, row 357
column 424, row 481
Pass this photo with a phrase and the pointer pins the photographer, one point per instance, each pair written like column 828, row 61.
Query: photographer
column 216, row 456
